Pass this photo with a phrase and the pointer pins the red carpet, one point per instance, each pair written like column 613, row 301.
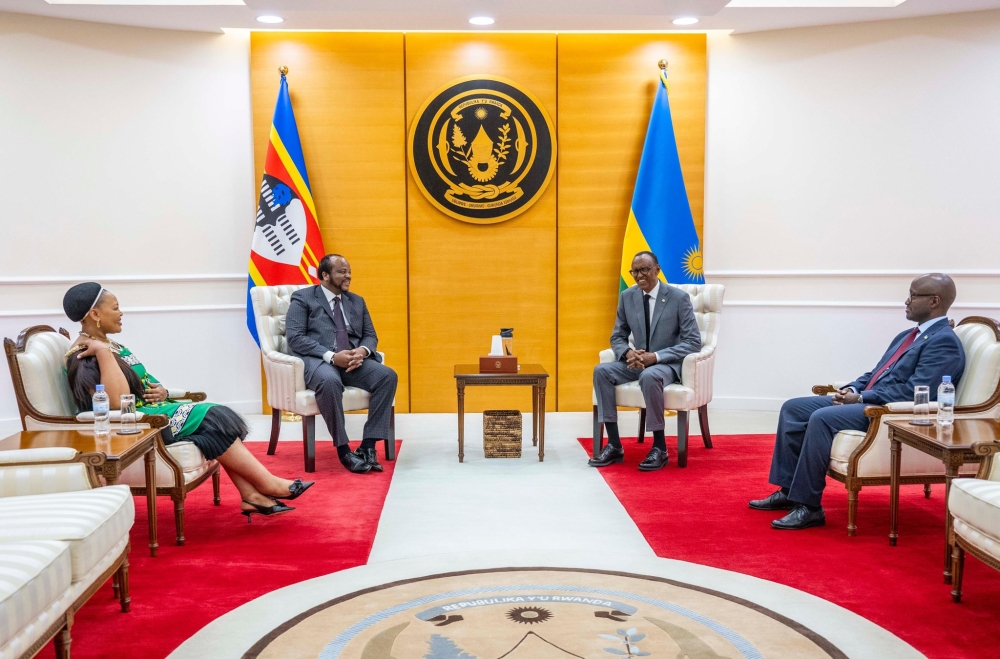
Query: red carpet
column 227, row 562
column 700, row 514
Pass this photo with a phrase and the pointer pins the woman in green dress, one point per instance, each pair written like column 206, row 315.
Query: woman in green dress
column 215, row 429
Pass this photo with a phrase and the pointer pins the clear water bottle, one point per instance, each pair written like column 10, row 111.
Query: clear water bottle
column 102, row 413
column 946, row 402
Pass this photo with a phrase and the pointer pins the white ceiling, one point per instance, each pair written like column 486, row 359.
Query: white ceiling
column 549, row 15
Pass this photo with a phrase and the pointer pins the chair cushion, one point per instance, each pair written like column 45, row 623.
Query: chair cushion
column 91, row 521
column 186, row 454
column 354, row 399
column 43, row 374
column 979, row 539
column 982, row 363
column 33, row 576
column 875, row 463
column 21, row 480
column 977, row 503
column 675, row 396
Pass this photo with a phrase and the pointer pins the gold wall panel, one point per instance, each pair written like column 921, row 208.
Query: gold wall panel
column 606, row 88
column 347, row 92
column 466, row 280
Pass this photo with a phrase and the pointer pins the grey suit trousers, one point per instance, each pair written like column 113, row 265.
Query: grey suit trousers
column 328, row 382
column 652, row 380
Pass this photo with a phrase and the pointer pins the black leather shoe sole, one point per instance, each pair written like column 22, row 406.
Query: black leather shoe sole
column 757, row 505
column 594, row 463
column 652, row 467
column 357, row 468
column 816, row 521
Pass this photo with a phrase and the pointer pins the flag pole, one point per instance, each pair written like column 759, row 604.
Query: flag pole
column 283, row 70
column 662, row 64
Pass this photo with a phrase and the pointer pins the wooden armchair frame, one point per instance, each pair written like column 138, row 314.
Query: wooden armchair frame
column 959, row 546
column 854, row 483
column 177, row 493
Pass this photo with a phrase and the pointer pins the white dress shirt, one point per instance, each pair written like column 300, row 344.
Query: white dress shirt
column 330, row 297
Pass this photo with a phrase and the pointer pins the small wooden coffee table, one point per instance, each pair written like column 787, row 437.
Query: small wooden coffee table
column 533, row 375
column 119, row 450
column 952, row 445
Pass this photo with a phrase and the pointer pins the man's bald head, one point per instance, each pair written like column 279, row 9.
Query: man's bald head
column 931, row 296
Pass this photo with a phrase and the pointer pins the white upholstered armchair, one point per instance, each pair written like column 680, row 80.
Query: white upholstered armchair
column 861, row 458
column 285, row 374
column 37, row 369
column 974, row 504
column 694, row 392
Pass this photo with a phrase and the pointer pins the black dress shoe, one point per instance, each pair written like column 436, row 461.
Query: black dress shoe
column 800, row 518
column 370, row 456
column 777, row 501
column 266, row 511
column 655, row 459
column 297, row 488
column 355, row 464
column 609, row 455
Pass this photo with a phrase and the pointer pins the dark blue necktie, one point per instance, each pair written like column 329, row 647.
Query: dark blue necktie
column 343, row 343
column 645, row 313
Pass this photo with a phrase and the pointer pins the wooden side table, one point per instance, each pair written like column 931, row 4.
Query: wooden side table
column 533, row 375
column 119, row 450
column 950, row 444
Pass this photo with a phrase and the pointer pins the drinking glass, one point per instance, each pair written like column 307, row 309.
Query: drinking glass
column 921, row 406
column 128, row 425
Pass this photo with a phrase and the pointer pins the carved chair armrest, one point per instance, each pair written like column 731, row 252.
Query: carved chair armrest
column 986, row 450
column 48, row 456
column 152, row 420
column 698, row 363
column 823, row 389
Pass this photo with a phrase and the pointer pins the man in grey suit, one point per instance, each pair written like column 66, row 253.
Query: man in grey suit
column 330, row 329
column 661, row 321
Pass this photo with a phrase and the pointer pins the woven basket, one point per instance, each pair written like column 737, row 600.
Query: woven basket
column 502, row 433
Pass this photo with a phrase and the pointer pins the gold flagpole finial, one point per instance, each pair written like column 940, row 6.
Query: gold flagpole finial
column 283, row 70
column 663, row 64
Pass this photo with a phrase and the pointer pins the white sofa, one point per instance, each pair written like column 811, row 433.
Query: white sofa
column 861, row 458
column 63, row 537
column 694, row 392
column 285, row 375
column 37, row 369
column 974, row 504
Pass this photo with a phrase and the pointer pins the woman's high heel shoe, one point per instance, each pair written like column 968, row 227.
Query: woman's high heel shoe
column 276, row 509
column 296, row 489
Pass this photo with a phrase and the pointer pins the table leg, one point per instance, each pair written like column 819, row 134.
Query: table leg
column 894, row 462
column 151, row 498
column 534, row 415
column 950, row 473
column 461, row 422
column 541, row 423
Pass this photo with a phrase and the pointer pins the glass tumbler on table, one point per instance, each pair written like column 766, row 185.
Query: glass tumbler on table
column 128, row 416
column 921, row 406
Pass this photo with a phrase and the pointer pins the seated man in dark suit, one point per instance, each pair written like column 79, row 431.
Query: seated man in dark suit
column 807, row 426
column 661, row 320
column 330, row 329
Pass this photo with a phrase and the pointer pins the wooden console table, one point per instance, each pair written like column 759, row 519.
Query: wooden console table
column 119, row 450
column 950, row 444
column 533, row 375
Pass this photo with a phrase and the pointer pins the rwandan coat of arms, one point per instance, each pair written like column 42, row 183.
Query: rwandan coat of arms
column 482, row 150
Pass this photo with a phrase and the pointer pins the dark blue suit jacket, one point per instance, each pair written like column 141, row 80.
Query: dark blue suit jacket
column 935, row 353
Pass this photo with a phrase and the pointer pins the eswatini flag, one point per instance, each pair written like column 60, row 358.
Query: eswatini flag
column 287, row 244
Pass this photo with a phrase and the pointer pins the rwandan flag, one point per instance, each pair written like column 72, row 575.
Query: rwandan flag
column 287, row 244
column 660, row 219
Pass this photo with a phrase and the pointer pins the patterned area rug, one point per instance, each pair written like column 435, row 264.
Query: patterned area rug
column 540, row 613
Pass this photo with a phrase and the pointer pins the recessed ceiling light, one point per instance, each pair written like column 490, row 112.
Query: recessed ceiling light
column 686, row 20
column 481, row 20
column 270, row 19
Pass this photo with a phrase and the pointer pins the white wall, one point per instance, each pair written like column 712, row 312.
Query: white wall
column 841, row 162
column 126, row 157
